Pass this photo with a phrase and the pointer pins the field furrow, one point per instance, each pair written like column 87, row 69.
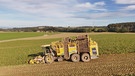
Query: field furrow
column 105, row 65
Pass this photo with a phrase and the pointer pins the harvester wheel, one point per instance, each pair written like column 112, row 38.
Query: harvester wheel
column 31, row 61
column 49, row 59
column 75, row 57
column 85, row 57
column 60, row 59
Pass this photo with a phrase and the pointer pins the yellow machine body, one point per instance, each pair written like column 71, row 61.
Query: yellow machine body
column 72, row 48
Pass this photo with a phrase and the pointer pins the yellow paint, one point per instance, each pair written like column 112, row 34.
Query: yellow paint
column 93, row 44
column 72, row 48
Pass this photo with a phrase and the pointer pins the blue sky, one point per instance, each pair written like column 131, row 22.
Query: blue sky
column 26, row 13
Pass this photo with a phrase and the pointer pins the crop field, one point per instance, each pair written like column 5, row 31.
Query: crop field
column 115, row 43
column 117, row 57
column 15, row 35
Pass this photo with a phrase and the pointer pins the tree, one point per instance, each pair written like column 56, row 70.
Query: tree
column 122, row 27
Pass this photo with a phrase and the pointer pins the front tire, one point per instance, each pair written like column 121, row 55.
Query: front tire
column 85, row 57
column 49, row 59
column 75, row 57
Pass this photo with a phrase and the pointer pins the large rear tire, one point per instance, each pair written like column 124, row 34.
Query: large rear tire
column 75, row 57
column 85, row 57
column 49, row 59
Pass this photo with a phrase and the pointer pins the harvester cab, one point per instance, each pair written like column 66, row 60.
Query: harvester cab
column 46, row 49
column 48, row 53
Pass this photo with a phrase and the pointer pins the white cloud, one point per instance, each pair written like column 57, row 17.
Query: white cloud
column 17, row 23
column 130, row 7
column 46, row 8
column 89, row 6
column 51, row 8
column 85, row 5
column 100, row 3
column 54, row 12
column 105, row 15
column 125, row 1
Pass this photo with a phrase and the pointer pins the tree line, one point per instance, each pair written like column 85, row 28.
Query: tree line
column 116, row 27
column 122, row 27
column 61, row 29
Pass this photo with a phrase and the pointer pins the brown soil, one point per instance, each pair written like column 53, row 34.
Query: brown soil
column 105, row 65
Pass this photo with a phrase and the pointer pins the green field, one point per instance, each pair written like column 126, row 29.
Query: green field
column 15, row 35
column 115, row 43
column 19, row 52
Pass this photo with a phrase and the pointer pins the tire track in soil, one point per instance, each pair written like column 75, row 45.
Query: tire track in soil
column 105, row 65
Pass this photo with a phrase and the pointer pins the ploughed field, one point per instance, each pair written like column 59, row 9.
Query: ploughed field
column 105, row 65
column 117, row 57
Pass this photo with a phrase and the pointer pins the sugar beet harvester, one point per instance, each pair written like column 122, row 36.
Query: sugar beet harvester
column 80, row 48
